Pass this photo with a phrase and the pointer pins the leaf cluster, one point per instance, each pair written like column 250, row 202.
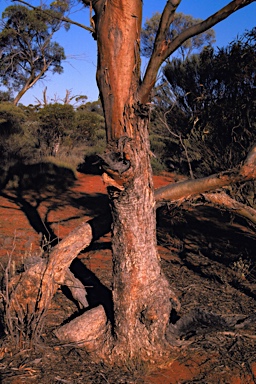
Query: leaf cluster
column 30, row 134
column 26, row 45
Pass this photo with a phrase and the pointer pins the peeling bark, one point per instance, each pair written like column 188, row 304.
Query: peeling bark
column 118, row 25
column 142, row 297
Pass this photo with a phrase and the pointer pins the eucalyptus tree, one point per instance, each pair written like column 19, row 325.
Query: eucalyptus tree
column 27, row 49
column 142, row 296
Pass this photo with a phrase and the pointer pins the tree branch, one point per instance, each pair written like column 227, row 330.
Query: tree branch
column 226, row 201
column 159, row 46
column 185, row 189
column 61, row 18
column 34, row 290
column 214, row 19
column 163, row 49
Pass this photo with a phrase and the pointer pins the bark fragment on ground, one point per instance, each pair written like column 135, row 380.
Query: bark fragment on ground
column 88, row 330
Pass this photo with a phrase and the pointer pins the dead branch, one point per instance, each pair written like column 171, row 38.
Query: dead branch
column 181, row 191
column 222, row 199
column 86, row 330
column 32, row 292
column 200, row 322
column 76, row 288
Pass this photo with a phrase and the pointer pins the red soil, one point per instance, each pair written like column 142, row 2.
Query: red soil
column 19, row 238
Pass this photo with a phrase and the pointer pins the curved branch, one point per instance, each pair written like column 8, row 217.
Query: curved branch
column 203, row 26
column 159, row 46
column 32, row 293
column 163, row 49
column 61, row 18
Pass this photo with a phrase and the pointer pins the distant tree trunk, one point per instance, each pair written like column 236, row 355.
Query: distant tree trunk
column 31, row 81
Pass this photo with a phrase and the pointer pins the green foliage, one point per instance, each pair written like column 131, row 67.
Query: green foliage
column 27, row 48
column 16, row 142
column 5, row 96
column 90, row 126
column 180, row 23
column 11, row 119
column 56, row 126
column 56, row 131
column 94, row 106
column 215, row 93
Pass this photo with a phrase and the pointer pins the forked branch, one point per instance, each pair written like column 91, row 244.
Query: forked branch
column 163, row 49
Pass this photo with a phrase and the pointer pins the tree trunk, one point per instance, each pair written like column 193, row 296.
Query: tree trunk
column 141, row 294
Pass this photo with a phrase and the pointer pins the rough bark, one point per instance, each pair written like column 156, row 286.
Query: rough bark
column 141, row 294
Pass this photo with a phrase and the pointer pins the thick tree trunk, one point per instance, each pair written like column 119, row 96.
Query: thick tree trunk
column 141, row 294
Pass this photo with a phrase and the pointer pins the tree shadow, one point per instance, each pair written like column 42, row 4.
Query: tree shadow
column 97, row 293
column 211, row 241
column 90, row 166
column 28, row 186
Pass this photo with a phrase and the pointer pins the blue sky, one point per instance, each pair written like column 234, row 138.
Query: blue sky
column 80, row 48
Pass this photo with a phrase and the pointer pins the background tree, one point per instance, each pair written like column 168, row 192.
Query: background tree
column 181, row 22
column 56, row 127
column 17, row 142
column 90, row 127
column 27, row 49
